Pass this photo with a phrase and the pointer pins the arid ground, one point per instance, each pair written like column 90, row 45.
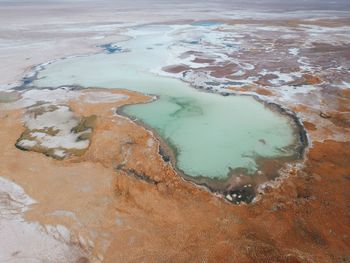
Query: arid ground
column 106, row 194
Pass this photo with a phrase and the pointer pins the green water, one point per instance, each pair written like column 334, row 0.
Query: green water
column 210, row 132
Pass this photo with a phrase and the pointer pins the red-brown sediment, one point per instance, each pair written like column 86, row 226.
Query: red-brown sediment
column 252, row 88
column 303, row 220
column 175, row 68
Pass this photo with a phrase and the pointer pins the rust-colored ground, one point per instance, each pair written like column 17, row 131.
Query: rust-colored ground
column 131, row 206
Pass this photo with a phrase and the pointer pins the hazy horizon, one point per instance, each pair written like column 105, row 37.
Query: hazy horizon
column 259, row 5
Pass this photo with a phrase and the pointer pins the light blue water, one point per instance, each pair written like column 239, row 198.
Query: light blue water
column 210, row 132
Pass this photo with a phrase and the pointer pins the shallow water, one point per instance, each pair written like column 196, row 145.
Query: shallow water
column 211, row 133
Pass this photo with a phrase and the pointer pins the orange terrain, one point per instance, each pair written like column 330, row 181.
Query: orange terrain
column 130, row 206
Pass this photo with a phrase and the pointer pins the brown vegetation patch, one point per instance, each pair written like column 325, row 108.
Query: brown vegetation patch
column 306, row 79
column 203, row 60
column 309, row 126
column 176, row 68
column 264, row 92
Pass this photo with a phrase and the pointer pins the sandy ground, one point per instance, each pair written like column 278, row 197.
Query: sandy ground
column 120, row 202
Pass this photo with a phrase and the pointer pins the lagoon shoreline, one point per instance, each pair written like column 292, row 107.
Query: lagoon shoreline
column 86, row 210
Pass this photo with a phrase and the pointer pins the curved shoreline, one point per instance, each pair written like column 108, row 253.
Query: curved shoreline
column 169, row 151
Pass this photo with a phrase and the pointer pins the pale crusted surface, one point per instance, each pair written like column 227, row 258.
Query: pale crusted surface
column 24, row 241
column 120, row 202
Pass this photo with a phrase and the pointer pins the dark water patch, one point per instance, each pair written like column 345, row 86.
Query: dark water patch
column 166, row 158
column 231, row 45
column 212, row 83
column 192, row 42
column 111, row 48
column 29, row 79
column 237, row 83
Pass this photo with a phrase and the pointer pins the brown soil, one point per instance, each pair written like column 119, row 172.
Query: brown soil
column 264, row 92
column 203, row 60
column 306, row 79
column 252, row 88
column 309, row 126
column 165, row 219
column 176, row 68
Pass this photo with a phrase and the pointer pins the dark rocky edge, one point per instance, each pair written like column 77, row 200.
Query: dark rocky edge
column 135, row 174
column 169, row 152
column 245, row 192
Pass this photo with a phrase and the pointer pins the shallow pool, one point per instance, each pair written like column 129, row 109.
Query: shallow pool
column 211, row 133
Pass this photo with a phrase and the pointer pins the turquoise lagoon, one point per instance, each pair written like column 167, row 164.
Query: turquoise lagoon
column 211, row 133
